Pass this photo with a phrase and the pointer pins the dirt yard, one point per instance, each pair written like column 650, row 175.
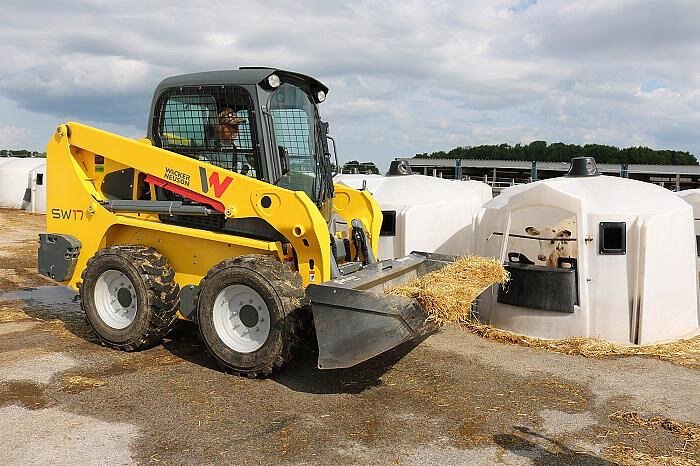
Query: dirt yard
column 453, row 399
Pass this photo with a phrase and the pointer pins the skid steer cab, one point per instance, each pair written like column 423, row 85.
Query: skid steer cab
column 227, row 215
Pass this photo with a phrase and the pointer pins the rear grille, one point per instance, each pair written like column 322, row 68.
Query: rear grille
column 209, row 222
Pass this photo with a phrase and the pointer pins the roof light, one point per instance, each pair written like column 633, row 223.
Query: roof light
column 321, row 96
column 274, row 81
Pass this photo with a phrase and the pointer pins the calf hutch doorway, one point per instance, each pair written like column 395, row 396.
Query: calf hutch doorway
column 591, row 256
column 541, row 257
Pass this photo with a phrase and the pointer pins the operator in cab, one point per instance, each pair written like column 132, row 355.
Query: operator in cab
column 229, row 129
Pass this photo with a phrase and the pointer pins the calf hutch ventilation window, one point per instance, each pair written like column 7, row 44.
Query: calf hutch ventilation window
column 388, row 223
column 209, row 123
column 613, row 238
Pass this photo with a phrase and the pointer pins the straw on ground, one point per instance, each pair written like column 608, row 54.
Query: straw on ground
column 681, row 352
column 688, row 432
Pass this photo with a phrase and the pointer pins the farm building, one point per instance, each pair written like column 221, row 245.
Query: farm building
column 503, row 173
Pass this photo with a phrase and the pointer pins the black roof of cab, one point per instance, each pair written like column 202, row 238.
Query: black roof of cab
column 243, row 75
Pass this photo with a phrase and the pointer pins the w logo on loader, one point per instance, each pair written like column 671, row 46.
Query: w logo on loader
column 213, row 180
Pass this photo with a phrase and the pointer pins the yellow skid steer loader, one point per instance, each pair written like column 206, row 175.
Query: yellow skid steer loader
column 226, row 215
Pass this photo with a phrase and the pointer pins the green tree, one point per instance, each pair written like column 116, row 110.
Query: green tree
column 353, row 166
column 560, row 152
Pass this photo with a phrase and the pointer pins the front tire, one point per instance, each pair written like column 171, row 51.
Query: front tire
column 129, row 296
column 250, row 313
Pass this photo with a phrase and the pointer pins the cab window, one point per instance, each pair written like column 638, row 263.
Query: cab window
column 214, row 124
column 294, row 117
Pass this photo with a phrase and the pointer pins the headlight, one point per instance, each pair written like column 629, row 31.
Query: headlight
column 321, row 96
column 273, row 80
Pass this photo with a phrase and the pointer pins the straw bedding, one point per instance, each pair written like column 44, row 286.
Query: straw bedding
column 681, row 352
column 447, row 294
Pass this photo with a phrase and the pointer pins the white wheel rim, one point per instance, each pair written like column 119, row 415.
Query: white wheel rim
column 115, row 299
column 241, row 318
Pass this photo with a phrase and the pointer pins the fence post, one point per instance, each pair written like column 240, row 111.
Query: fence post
column 624, row 171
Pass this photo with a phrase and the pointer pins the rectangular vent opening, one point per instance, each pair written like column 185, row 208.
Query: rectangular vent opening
column 388, row 223
column 613, row 238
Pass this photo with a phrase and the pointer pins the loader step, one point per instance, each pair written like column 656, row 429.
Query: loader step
column 349, row 267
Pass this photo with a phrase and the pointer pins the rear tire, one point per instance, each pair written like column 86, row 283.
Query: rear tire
column 250, row 311
column 129, row 296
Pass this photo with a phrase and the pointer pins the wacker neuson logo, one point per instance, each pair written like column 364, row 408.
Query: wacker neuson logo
column 177, row 176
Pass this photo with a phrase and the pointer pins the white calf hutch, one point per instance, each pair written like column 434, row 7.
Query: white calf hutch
column 22, row 184
column 692, row 197
column 593, row 256
column 422, row 213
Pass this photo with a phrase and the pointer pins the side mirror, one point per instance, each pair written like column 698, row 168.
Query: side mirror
column 284, row 159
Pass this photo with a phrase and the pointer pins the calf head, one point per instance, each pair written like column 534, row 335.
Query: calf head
column 551, row 248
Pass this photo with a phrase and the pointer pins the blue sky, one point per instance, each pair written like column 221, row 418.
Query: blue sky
column 404, row 76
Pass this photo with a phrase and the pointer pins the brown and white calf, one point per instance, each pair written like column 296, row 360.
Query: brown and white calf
column 552, row 248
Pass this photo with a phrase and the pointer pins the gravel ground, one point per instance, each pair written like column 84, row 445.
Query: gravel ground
column 453, row 399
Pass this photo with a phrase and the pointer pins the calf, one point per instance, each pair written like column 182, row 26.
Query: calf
column 552, row 249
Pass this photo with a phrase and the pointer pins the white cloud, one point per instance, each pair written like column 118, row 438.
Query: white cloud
column 12, row 137
column 220, row 38
column 405, row 76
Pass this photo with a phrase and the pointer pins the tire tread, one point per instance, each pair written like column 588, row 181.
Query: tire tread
column 163, row 292
column 288, row 286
